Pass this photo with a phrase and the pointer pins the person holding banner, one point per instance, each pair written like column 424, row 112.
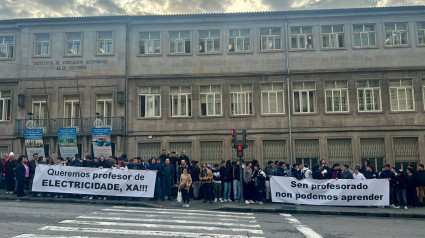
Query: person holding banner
column 156, row 167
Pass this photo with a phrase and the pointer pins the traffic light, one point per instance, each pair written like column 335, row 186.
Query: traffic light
column 234, row 139
column 240, row 151
column 244, row 145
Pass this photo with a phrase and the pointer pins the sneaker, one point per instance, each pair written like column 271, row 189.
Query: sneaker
column 393, row 206
column 85, row 197
column 61, row 196
column 396, row 207
column 91, row 197
column 246, row 202
column 187, row 205
column 215, row 200
column 184, row 205
column 250, row 201
column 405, row 207
column 56, row 196
column 39, row 195
column 260, row 203
column 221, row 200
column 104, row 198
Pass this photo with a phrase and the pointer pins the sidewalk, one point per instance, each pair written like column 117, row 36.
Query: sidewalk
column 234, row 207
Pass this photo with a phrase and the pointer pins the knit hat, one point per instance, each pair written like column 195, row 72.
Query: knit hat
column 11, row 154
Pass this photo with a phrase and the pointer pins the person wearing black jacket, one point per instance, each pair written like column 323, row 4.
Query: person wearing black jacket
column 163, row 156
column 363, row 169
column 21, row 171
column 387, row 174
column 236, row 179
column 370, row 174
column 103, row 163
column 88, row 162
column 196, row 182
column 184, row 157
column 401, row 185
column 420, row 183
column 227, row 177
column 260, row 184
column 77, row 162
column 411, row 188
column 10, row 166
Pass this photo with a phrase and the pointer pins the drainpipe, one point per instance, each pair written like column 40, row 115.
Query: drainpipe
column 288, row 73
column 127, row 56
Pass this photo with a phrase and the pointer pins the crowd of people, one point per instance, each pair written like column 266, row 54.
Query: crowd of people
column 219, row 182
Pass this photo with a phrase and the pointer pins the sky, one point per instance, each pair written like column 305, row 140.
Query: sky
column 10, row 9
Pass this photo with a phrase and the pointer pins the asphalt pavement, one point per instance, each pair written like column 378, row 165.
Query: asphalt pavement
column 30, row 219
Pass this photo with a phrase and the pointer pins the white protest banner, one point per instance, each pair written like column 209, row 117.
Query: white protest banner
column 341, row 192
column 94, row 181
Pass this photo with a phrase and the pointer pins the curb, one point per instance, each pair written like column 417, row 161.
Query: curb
column 228, row 209
column 323, row 212
column 79, row 201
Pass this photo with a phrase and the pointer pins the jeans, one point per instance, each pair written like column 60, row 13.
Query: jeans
column 226, row 190
column 268, row 190
column 206, row 189
column 217, row 190
column 196, row 187
column 166, row 187
column 236, row 190
column 157, row 193
column 185, row 196
column 401, row 197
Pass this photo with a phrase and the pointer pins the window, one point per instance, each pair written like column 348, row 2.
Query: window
column 340, row 151
column 369, row 95
column 304, row 97
column 7, row 47
column 272, row 98
column 179, row 42
column 150, row 101
column 406, row 151
column 274, row 150
column 240, row 40
column 307, row 151
column 301, row 37
column 336, row 96
column 209, row 41
column 5, row 97
column 241, row 96
column 373, row 149
column 421, row 33
column 211, row 100
column 104, row 105
column 270, row 38
column 104, row 42
column 333, row 36
column 364, row 35
column 72, row 110
column 73, row 43
column 211, row 152
column 401, row 95
column 181, row 101
column 149, row 43
column 39, row 110
column 396, row 34
column 42, row 44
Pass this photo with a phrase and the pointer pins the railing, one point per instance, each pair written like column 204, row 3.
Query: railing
column 84, row 125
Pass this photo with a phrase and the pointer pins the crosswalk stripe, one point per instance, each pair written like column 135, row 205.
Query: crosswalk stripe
column 208, row 228
column 307, row 231
column 141, row 233
column 50, row 236
column 199, row 213
column 187, row 210
column 178, row 221
column 174, row 217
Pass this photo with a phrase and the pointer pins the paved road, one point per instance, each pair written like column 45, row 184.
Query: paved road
column 31, row 219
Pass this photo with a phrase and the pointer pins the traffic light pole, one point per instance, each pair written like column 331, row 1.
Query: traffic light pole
column 241, row 201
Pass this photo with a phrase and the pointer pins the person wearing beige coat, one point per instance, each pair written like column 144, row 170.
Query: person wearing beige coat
column 184, row 186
